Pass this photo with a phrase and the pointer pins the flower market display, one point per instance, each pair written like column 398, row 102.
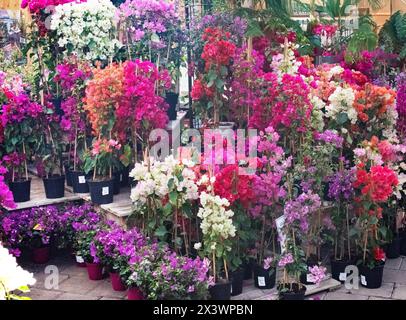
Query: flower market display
column 252, row 150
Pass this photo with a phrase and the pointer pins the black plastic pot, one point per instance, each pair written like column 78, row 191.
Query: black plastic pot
column 54, row 186
column 21, row 190
column 392, row 249
column 264, row 279
column 294, row 294
column 371, row 278
column 325, row 186
column 247, row 267
column 117, row 182
column 57, row 102
column 101, row 192
column 237, row 280
column 68, row 175
column 172, row 100
column 79, row 182
column 124, row 177
column 311, row 262
column 403, row 243
column 220, row 291
column 338, row 268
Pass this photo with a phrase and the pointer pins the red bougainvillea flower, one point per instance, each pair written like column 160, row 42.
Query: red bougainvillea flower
column 379, row 254
column 232, row 186
column 378, row 184
column 218, row 50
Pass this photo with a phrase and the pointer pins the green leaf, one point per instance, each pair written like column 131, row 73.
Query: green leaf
column 173, row 197
column 342, row 118
column 167, row 210
column 161, row 232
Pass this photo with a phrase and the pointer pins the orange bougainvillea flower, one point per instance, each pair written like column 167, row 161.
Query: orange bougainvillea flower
column 103, row 94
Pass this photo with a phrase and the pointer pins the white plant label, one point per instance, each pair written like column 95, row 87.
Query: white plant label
column 121, row 177
column 343, row 276
column 363, row 280
column 79, row 259
column 105, row 191
column 82, row 179
column 261, row 281
column 309, row 278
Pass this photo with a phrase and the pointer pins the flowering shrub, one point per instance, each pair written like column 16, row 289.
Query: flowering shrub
column 103, row 93
column 299, row 210
column 12, row 276
column 288, row 103
column 217, row 228
column 32, row 228
column 86, row 29
column 208, row 90
column 153, row 31
column 401, row 104
column 115, row 247
column 234, row 187
column 6, row 197
column 179, row 278
column 142, row 109
column 163, row 192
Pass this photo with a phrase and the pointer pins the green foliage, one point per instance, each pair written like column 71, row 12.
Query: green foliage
column 364, row 38
column 392, row 36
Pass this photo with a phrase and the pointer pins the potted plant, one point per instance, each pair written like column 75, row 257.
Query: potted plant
column 49, row 154
column 31, row 230
column 19, row 118
column 73, row 219
column 19, row 185
column 101, row 160
column 297, row 215
column 393, row 238
column 174, row 281
column 71, row 76
column 218, row 231
column 342, row 192
column 374, row 185
column 115, row 247
column 86, row 231
column 137, row 273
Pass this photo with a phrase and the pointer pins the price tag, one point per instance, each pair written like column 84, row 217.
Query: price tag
column 79, row 259
column 261, row 281
column 105, row 191
column 82, row 179
column 363, row 280
column 343, row 276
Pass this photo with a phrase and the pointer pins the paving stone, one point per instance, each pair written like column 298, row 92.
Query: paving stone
column 41, row 278
column 75, row 296
column 399, row 292
column 40, row 294
column 74, row 270
column 385, row 291
column 396, row 276
column 393, row 263
column 104, row 289
column 78, row 285
column 378, row 298
column 109, row 298
column 344, row 296
column 403, row 266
